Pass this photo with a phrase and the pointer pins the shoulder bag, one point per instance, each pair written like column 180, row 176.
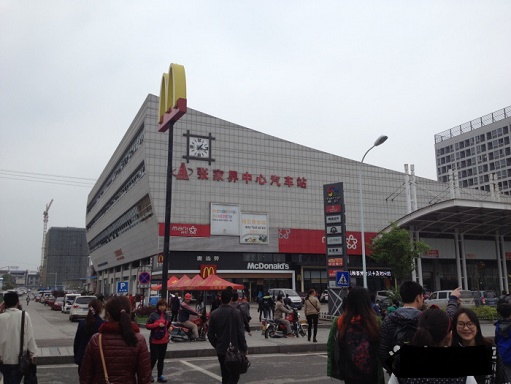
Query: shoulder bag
column 103, row 359
column 24, row 360
column 236, row 362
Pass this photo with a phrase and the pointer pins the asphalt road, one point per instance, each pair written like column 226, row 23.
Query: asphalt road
column 294, row 368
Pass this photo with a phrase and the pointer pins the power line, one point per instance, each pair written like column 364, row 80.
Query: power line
column 47, row 178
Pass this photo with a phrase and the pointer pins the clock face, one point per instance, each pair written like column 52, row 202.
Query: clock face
column 199, row 147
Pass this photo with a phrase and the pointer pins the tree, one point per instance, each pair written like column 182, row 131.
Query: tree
column 397, row 250
column 9, row 282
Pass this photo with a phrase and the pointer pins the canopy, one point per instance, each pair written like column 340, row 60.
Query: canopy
column 216, row 283
column 170, row 282
column 182, row 283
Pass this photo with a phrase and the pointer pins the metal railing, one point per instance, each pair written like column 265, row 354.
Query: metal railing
column 490, row 118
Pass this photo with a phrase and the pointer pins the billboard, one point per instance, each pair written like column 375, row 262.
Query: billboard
column 254, row 228
column 225, row 220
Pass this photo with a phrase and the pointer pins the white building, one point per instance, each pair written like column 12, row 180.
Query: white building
column 224, row 173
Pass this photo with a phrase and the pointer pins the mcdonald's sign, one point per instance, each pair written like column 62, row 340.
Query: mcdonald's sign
column 172, row 97
column 207, row 269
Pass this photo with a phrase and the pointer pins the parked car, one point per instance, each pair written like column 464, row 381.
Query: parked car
column 68, row 301
column 80, row 307
column 324, row 297
column 296, row 300
column 441, row 298
column 49, row 300
column 56, row 305
column 383, row 298
column 485, row 298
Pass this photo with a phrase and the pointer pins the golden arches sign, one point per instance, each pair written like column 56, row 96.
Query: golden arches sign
column 172, row 96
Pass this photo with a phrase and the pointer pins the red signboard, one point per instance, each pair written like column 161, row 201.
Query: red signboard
column 186, row 230
column 207, row 269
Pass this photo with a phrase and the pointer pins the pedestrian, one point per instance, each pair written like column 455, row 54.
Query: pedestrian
column 267, row 306
column 226, row 327
column 244, row 309
column 466, row 333
column 126, row 358
column 159, row 322
column 433, row 330
column 86, row 328
column 503, row 335
column 358, row 334
column 28, row 299
column 10, row 335
column 311, row 308
column 217, row 302
column 393, row 307
column 287, row 300
column 404, row 320
column 175, row 303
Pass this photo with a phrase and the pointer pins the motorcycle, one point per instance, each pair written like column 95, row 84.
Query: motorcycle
column 277, row 329
column 179, row 332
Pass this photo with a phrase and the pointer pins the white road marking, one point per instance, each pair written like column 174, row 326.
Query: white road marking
column 206, row 372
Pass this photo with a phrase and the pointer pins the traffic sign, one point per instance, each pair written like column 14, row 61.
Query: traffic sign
column 144, row 277
column 342, row 279
column 122, row 286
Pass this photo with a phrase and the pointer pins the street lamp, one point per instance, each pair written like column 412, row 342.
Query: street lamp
column 380, row 140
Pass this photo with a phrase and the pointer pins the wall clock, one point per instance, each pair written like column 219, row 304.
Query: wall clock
column 198, row 147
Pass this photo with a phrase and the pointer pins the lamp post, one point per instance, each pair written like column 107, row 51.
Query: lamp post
column 380, row 140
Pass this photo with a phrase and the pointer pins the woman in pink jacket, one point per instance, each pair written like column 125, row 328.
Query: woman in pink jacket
column 126, row 358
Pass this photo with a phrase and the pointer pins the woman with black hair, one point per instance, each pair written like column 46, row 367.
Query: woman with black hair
column 118, row 351
column 159, row 323
column 87, row 328
column 358, row 333
column 466, row 333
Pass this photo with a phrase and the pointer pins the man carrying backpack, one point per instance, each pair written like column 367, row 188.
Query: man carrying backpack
column 399, row 327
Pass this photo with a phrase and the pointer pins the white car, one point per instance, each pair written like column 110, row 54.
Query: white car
column 68, row 301
column 80, row 307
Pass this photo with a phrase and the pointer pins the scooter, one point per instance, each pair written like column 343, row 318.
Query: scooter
column 276, row 329
column 178, row 332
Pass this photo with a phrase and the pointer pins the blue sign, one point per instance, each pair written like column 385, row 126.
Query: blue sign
column 342, row 278
column 122, row 287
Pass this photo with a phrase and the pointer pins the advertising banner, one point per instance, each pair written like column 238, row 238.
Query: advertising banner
column 225, row 220
column 254, row 228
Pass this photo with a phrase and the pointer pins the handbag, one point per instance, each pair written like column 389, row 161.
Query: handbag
column 236, row 362
column 24, row 360
column 103, row 359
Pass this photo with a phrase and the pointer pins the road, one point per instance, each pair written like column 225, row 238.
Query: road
column 295, row 368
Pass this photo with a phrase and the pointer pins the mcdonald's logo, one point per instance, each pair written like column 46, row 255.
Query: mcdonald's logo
column 207, row 270
column 160, row 258
column 172, row 97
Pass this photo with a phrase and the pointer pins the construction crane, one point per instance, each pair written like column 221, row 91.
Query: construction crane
column 45, row 227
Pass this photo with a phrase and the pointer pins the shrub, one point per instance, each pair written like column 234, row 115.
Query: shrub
column 485, row 312
column 145, row 311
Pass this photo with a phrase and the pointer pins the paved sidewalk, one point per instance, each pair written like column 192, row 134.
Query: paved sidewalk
column 257, row 344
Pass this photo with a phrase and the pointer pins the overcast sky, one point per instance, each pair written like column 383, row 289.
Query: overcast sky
column 332, row 75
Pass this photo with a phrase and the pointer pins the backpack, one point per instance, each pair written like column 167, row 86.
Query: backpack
column 266, row 301
column 403, row 334
column 503, row 345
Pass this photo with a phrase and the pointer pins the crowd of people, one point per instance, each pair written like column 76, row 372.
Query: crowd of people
column 417, row 345
column 362, row 344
